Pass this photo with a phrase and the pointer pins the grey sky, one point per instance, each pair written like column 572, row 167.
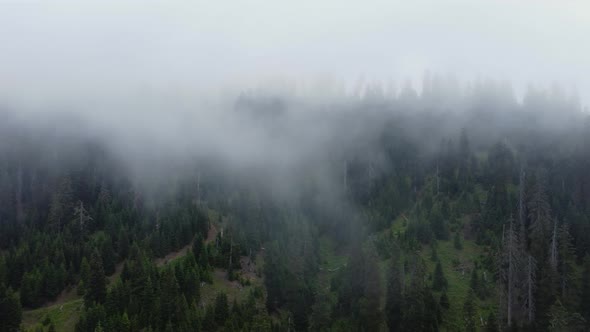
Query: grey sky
column 67, row 50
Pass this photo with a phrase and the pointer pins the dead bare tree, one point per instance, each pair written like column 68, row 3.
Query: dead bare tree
column 509, row 269
column 82, row 216
column 553, row 252
column 530, row 287
column 521, row 206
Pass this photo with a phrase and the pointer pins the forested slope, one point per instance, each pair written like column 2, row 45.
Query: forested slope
column 368, row 214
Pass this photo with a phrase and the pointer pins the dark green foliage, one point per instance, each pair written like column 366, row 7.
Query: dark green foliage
column 477, row 285
column 584, row 307
column 419, row 230
column 468, row 186
column 198, row 248
column 492, row 323
column 470, row 311
column 433, row 252
column 560, row 319
column 359, row 289
column 321, row 312
column 96, row 288
column 439, row 282
column 420, row 309
column 221, row 309
column 457, row 242
column 444, row 301
column 10, row 310
column 208, row 323
column 438, row 223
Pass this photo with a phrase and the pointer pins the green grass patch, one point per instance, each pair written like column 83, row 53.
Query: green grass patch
column 63, row 316
column 457, row 266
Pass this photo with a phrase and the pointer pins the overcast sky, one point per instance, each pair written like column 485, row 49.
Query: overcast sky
column 68, row 49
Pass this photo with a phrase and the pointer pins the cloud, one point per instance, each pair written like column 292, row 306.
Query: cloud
column 65, row 51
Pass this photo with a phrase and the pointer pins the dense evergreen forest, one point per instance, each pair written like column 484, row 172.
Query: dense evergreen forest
column 409, row 212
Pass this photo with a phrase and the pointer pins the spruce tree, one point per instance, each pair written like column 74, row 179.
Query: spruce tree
column 492, row 323
column 584, row 307
column 221, row 308
column 457, row 241
column 474, row 283
column 96, row 291
column 469, row 311
column 439, row 282
column 10, row 310
column 444, row 301
column 394, row 301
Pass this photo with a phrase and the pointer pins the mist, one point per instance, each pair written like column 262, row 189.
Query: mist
column 65, row 51
column 287, row 99
column 320, row 165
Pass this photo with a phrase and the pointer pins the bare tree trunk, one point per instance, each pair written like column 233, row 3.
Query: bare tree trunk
column 530, row 288
column 231, row 249
column 437, row 179
column 510, row 273
column 553, row 250
column 511, row 250
column 521, row 212
column 19, row 195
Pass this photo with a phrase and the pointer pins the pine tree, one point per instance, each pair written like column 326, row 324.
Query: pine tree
column 394, row 301
column 546, row 293
column 61, row 204
column 96, row 288
column 321, row 311
column 433, row 253
column 125, row 323
column 208, row 322
column 369, row 304
column 566, row 253
column 540, row 217
column 584, row 307
column 420, row 309
column 444, row 301
column 10, row 310
column 84, row 271
column 560, row 319
column 457, row 241
column 492, row 323
column 169, row 293
column 439, row 282
column 198, row 247
column 531, row 273
column 474, row 283
column 99, row 328
column 553, row 252
column 469, row 311
column 510, row 264
column 82, row 217
column 221, row 309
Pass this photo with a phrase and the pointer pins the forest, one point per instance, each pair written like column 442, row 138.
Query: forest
column 421, row 210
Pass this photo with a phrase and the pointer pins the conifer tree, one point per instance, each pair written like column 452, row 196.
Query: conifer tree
column 439, row 282
column 96, row 289
column 10, row 310
column 584, row 307
column 394, row 301
column 492, row 323
column 457, row 241
column 470, row 311
column 221, row 308
column 444, row 301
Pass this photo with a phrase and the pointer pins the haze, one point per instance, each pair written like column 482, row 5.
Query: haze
column 67, row 51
